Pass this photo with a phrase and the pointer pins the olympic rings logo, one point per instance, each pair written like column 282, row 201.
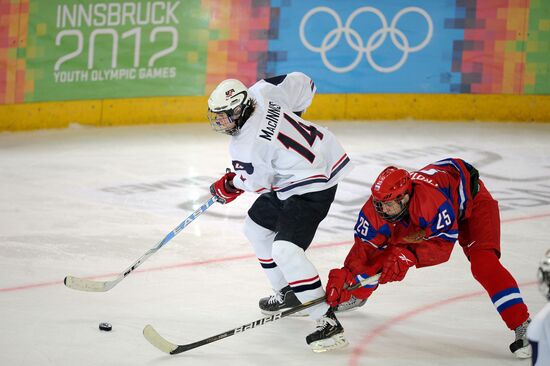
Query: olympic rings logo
column 355, row 41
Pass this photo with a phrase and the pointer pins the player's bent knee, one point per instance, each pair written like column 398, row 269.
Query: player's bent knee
column 286, row 252
column 256, row 233
column 483, row 263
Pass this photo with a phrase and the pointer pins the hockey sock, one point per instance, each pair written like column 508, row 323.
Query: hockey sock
column 301, row 274
column 501, row 287
column 262, row 243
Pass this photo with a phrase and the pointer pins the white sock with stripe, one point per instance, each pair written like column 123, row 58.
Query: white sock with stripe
column 301, row 275
column 262, row 243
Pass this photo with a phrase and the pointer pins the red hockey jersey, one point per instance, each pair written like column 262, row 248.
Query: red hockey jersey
column 442, row 195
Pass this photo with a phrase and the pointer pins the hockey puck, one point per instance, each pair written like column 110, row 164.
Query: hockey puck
column 105, row 326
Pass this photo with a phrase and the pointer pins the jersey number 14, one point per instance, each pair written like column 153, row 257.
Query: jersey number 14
column 309, row 133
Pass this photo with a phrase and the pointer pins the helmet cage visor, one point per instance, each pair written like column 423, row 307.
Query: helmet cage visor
column 544, row 283
column 225, row 121
column 382, row 206
column 543, row 276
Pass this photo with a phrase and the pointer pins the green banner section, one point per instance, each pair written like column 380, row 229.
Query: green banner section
column 537, row 73
column 110, row 49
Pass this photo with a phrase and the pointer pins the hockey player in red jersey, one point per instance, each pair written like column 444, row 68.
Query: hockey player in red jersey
column 294, row 166
column 414, row 219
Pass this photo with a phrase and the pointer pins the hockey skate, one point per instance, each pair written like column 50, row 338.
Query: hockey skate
column 521, row 347
column 282, row 300
column 352, row 304
column 329, row 334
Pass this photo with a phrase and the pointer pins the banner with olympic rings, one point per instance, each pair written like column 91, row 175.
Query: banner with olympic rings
column 379, row 46
column 95, row 49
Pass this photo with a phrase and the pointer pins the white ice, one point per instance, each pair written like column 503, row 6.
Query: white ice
column 90, row 201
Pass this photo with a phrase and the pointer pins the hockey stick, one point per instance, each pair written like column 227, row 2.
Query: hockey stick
column 168, row 347
column 83, row 284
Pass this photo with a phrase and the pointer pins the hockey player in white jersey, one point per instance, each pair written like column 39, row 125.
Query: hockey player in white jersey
column 295, row 166
column 538, row 332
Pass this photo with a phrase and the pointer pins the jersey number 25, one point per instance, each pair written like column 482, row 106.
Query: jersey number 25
column 443, row 220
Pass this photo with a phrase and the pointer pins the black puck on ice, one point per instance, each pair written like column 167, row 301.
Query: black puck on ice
column 105, row 326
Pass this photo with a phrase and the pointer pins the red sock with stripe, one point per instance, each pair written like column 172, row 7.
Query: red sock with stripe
column 501, row 287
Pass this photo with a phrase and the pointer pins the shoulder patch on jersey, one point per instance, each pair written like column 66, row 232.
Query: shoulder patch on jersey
column 269, row 124
column 239, row 165
column 364, row 228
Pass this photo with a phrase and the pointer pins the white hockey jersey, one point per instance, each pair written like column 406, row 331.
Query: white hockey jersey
column 276, row 150
column 538, row 334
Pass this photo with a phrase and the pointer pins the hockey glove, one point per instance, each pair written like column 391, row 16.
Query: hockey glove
column 224, row 189
column 338, row 280
column 396, row 264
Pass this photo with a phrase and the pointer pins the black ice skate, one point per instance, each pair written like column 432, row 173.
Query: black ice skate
column 352, row 304
column 282, row 300
column 521, row 347
column 329, row 334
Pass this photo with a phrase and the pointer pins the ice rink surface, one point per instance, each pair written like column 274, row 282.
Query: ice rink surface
column 90, row 201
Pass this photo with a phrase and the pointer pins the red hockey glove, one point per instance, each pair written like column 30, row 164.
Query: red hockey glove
column 338, row 280
column 224, row 189
column 396, row 264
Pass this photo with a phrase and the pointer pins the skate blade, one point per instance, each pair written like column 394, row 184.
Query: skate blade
column 344, row 307
column 524, row 352
column 335, row 342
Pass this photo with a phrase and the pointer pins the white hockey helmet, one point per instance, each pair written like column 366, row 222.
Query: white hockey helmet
column 227, row 104
column 543, row 275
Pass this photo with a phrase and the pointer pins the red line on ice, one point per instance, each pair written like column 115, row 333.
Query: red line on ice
column 215, row 260
column 376, row 332
column 162, row 268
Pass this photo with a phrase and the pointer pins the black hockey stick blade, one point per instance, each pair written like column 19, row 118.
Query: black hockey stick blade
column 168, row 347
column 171, row 348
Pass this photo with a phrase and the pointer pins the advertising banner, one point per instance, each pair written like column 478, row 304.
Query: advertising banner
column 60, row 50
column 116, row 48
